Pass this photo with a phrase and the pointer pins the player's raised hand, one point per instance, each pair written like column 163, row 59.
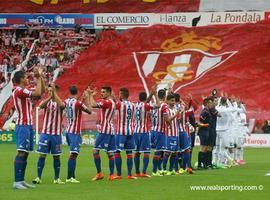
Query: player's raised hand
column 85, row 94
column 203, row 97
column 92, row 91
column 222, row 94
column 36, row 72
column 190, row 96
column 170, row 88
column 154, row 89
column 50, row 92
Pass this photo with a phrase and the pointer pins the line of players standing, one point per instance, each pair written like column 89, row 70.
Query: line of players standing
column 172, row 124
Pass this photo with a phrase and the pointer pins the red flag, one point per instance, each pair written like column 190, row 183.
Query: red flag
column 230, row 58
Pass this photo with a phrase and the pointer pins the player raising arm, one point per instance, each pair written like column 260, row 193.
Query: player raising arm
column 50, row 140
column 74, row 109
column 22, row 98
column 105, row 139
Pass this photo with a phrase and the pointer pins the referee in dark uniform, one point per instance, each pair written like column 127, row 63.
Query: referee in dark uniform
column 212, row 131
column 204, row 133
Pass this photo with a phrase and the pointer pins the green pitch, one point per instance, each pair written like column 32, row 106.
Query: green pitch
column 158, row 188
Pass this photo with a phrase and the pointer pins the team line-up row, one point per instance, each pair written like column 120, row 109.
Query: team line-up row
column 172, row 132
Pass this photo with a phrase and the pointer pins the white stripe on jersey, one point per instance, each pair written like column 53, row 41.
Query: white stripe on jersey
column 23, row 105
column 172, row 129
column 159, row 120
column 141, row 117
column 125, row 110
column 74, row 109
column 107, row 112
column 52, row 119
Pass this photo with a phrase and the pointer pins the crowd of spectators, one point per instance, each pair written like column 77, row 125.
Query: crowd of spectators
column 54, row 49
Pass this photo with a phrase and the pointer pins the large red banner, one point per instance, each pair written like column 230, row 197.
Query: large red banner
column 98, row 6
column 230, row 58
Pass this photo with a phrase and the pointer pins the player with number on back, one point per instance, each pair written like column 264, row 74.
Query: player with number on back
column 124, row 137
column 141, row 132
column 159, row 132
column 74, row 109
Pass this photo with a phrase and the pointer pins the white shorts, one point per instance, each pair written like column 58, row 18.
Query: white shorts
column 225, row 138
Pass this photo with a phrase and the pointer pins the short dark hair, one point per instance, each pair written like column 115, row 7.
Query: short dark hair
column 223, row 100
column 73, row 90
column 125, row 92
column 142, row 96
column 170, row 96
column 18, row 76
column 161, row 93
column 177, row 97
column 206, row 100
column 107, row 88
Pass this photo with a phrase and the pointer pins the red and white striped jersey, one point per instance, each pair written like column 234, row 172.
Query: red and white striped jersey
column 107, row 112
column 184, row 117
column 53, row 116
column 125, row 111
column 158, row 118
column 141, row 117
column 23, row 105
column 172, row 129
column 74, row 110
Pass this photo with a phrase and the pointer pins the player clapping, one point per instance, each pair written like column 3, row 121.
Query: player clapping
column 50, row 140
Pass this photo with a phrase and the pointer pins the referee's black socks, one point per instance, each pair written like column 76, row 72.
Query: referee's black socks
column 209, row 158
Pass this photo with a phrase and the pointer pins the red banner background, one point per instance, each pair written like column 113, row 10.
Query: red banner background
column 245, row 75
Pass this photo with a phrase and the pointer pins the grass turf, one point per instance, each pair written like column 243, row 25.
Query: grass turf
column 168, row 187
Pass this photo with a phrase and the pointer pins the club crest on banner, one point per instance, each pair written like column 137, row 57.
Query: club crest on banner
column 181, row 61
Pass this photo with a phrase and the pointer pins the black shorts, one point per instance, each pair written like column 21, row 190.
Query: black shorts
column 204, row 137
column 212, row 138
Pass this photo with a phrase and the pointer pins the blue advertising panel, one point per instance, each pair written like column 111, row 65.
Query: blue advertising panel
column 47, row 20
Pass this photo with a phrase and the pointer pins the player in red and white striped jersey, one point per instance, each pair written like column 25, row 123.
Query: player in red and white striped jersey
column 125, row 110
column 105, row 139
column 50, row 139
column 172, row 135
column 171, row 130
column 159, row 118
column 22, row 98
column 74, row 109
column 184, row 136
column 158, row 132
column 141, row 133
column 124, row 137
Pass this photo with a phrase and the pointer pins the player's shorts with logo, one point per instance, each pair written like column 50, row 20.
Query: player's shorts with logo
column 74, row 142
column 24, row 138
column 105, row 142
column 125, row 142
column 160, row 141
column 142, row 142
column 184, row 141
column 50, row 144
column 172, row 144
